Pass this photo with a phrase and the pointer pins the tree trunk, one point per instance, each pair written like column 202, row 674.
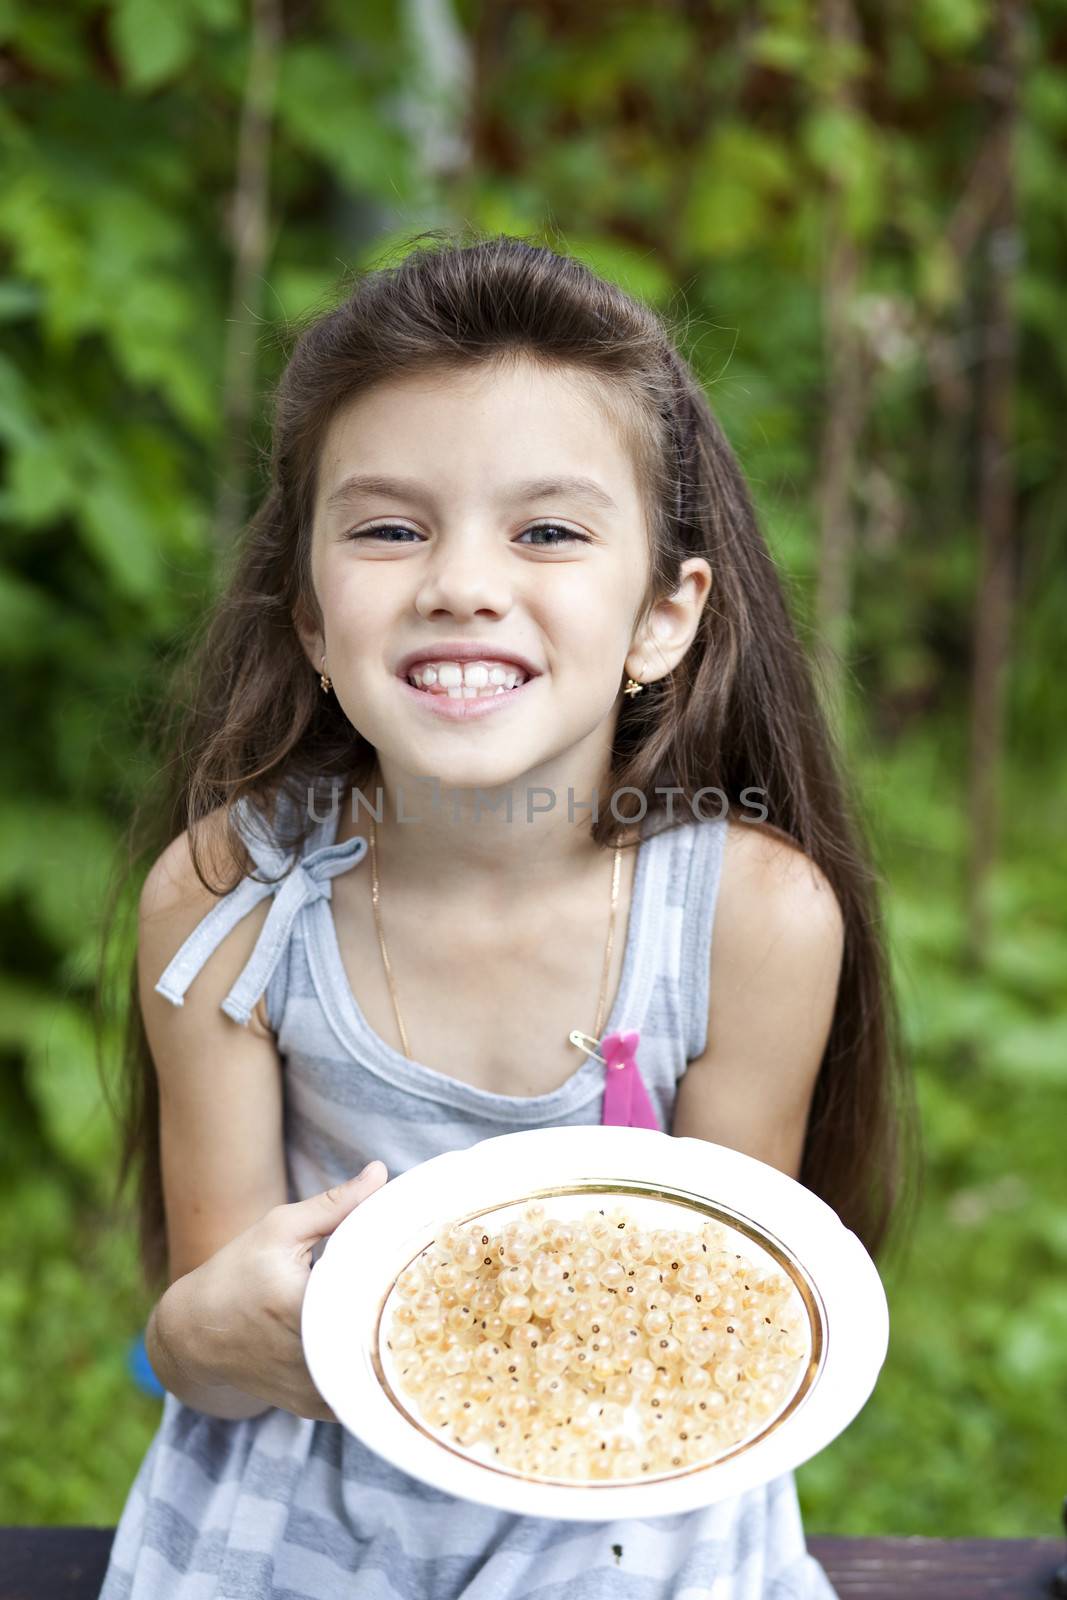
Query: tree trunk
column 437, row 100
column 843, row 420
column 996, row 488
column 250, row 209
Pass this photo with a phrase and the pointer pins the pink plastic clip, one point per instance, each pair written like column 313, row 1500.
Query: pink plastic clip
column 626, row 1102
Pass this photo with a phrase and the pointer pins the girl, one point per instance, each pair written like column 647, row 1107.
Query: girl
column 505, row 605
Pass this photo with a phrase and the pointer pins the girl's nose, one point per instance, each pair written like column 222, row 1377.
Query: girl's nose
column 463, row 580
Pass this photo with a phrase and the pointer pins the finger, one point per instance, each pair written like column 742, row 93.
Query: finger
column 318, row 1216
column 317, row 1411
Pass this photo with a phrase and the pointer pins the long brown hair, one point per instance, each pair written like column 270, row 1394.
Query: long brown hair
column 739, row 711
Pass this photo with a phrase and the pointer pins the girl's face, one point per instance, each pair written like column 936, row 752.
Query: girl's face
column 463, row 544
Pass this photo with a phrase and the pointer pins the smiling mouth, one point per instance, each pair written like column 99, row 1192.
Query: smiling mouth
column 474, row 681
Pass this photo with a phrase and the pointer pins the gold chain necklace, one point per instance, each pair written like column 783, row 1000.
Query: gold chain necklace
column 375, row 893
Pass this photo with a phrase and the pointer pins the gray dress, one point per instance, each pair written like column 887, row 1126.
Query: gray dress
column 281, row 1506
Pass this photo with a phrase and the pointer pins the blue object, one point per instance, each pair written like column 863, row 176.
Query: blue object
column 141, row 1369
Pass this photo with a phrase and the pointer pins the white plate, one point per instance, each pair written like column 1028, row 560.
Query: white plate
column 664, row 1182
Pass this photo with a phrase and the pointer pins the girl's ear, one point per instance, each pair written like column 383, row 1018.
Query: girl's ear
column 310, row 636
column 671, row 625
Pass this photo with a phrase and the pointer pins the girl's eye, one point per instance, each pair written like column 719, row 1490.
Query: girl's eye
column 554, row 527
column 382, row 529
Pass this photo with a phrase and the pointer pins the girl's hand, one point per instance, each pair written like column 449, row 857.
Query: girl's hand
column 240, row 1309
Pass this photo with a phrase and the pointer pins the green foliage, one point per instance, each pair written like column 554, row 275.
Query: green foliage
column 352, row 140
column 961, row 1435
column 70, row 1304
column 694, row 156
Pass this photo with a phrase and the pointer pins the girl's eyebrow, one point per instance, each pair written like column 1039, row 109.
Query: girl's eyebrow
column 360, row 484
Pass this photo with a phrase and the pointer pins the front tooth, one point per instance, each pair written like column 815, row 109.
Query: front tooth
column 450, row 677
column 469, row 692
column 497, row 675
column 455, row 692
column 429, row 675
column 476, row 676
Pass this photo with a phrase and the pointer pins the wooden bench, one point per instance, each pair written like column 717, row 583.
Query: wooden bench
column 69, row 1563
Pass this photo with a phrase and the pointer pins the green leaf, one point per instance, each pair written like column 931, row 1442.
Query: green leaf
column 41, row 481
column 26, row 613
column 952, row 1125
column 1032, row 1348
column 951, row 26
column 843, row 145
column 219, row 14
column 154, row 329
column 723, row 217
column 1033, row 960
column 737, row 174
column 940, row 282
column 944, row 1010
column 326, row 108
column 59, row 859
column 782, row 49
column 116, row 529
column 153, row 40
column 48, row 248
column 18, row 300
column 18, row 423
column 21, row 1006
column 127, row 230
column 58, row 1043
column 1045, row 96
column 1030, row 1052
column 46, row 38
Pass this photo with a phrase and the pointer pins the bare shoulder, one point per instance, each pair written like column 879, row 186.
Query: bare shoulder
column 776, row 954
column 174, row 900
column 777, row 944
column 770, row 887
column 173, row 883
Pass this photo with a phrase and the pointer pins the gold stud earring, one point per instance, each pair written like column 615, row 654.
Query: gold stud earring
column 632, row 687
column 327, row 683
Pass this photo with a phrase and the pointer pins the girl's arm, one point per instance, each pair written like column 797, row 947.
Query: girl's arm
column 174, row 1334
column 775, row 963
column 220, row 1115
